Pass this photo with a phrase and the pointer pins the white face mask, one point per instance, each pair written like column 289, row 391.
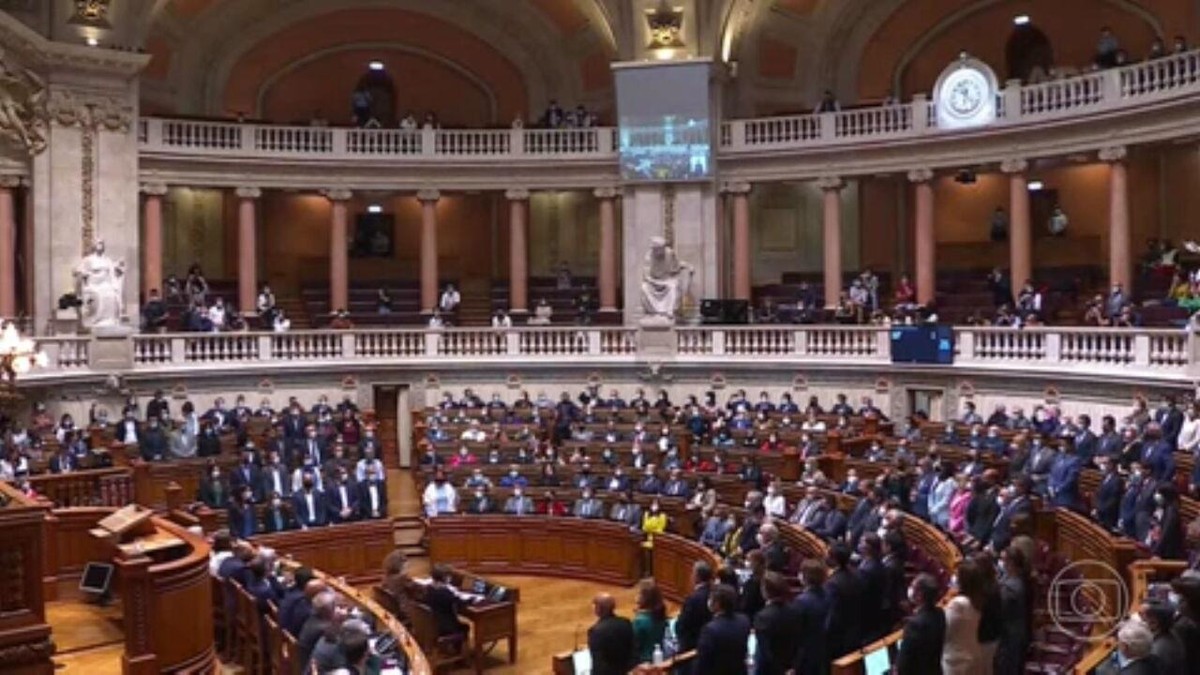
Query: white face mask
column 912, row 595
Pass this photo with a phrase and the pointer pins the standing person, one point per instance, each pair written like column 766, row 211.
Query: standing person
column 924, row 632
column 961, row 651
column 610, row 639
column 695, row 612
column 775, row 627
column 650, row 621
column 722, row 646
column 1016, row 607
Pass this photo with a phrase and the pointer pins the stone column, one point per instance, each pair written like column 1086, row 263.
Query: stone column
column 741, row 272
column 831, row 193
column 429, row 249
column 518, row 251
column 926, row 243
column 247, row 249
column 152, row 237
column 1020, row 234
column 606, row 280
column 8, row 247
column 1120, row 269
column 339, row 277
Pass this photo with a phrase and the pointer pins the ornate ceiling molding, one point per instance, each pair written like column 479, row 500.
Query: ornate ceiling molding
column 50, row 58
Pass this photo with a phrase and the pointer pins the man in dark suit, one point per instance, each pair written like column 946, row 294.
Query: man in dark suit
column 1086, row 442
column 277, row 517
column 1170, row 419
column 1106, row 508
column 372, row 496
column 845, row 590
column 309, row 505
column 1109, row 442
column 274, row 478
column 341, row 498
column 1133, row 499
column 158, row 407
column 924, row 632
column 1041, row 460
column 63, row 462
column 152, row 442
column 1015, row 505
column 313, row 446
column 587, row 506
column 810, row 613
column 1135, row 645
column 296, row 603
column 481, row 502
column 247, row 474
column 610, row 639
column 1063, row 485
column 318, row 623
column 833, row 525
column 775, row 553
column 895, row 588
column 873, row 579
column 721, row 649
column 694, row 612
column 1158, row 453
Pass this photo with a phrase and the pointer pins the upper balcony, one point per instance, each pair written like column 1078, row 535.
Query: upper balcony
column 1147, row 102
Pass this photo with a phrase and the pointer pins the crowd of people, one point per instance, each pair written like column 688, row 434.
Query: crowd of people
column 984, row 504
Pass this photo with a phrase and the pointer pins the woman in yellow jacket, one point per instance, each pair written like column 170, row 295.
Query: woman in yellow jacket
column 654, row 521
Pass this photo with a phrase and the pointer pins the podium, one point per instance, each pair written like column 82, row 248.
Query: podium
column 130, row 531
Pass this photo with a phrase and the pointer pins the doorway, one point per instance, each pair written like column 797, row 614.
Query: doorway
column 393, row 414
column 929, row 401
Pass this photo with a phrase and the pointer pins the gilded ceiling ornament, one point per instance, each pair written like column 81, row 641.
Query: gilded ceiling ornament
column 22, row 103
column 91, row 13
column 666, row 26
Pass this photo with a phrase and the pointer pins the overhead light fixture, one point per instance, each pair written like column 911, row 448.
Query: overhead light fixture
column 1021, row 20
column 1035, row 185
column 375, row 65
column 374, row 208
column 92, row 42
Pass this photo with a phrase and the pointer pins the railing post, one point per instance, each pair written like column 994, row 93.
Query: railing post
column 1012, row 100
column 154, row 136
column 338, row 141
column 828, row 123
column 265, row 349
column 178, row 349
column 1054, row 347
column 512, row 343
column 966, row 344
column 737, row 134
column 516, row 142
column 1110, row 90
column 883, row 343
column 349, row 345
column 428, row 141
column 800, row 338
column 1141, row 349
column 718, row 342
column 1193, row 352
column 920, row 114
column 247, row 137
column 432, row 343
column 593, row 342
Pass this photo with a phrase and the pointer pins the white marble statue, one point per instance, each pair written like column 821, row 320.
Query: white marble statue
column 665, row 281
column 100, row 283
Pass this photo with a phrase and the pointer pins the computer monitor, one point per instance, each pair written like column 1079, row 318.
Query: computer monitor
column 878, row 662
column 96, row 577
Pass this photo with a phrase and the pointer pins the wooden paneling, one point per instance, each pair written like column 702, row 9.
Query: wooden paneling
column 351, row 550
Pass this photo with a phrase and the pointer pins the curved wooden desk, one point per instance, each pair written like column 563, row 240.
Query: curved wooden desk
column 594, row 550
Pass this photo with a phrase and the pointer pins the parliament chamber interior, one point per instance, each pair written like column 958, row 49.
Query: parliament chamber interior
column 595, row 337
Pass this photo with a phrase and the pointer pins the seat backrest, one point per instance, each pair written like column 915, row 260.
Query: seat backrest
column 286, row 663
column 386, row 599
column 248, row 614
column 424, row 628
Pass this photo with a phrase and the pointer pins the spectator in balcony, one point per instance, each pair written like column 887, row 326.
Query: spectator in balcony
column 1057, row 225
column 196, row 286
column 431, row 121
column 360, row 106
column 282, row 324
column 542, row 314
column 1158, row 50
column 501, row 319
column 450, row 299
column 1093, row 313
column 174, row 289
column 383, row 302
column 999, row 225
column 1107, row 47
column 828, row 104
column 265, row 304
column 341, row 320
column 154, row 313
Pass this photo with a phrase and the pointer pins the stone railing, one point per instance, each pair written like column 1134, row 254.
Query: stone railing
column 204, row 138
column 1100, row 91
column 1164, row 356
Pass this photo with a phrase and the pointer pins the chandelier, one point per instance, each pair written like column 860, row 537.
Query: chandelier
column 18, row 355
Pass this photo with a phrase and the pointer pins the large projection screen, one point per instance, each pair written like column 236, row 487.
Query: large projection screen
column 664, row 112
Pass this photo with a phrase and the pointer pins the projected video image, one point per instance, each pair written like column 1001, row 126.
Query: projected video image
column 665, row 132
column 668, row 149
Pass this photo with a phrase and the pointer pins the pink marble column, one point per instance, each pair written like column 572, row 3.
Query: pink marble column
column 339, row 274
column 1020, row 234
column 607, row 277
column 152, row 238
column 429, row 249
column 739, row 196
column 8, row 247
column 1120, row 267
column 518, row 251
column 247, row 249
column 926, row 243
column 831, row 194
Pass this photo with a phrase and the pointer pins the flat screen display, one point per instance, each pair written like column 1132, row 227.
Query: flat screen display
column 95, row 578
column 665, row 129
column 878, row 662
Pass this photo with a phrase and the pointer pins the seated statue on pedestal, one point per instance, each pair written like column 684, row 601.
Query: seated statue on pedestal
column 665, row 282
column 100, row 284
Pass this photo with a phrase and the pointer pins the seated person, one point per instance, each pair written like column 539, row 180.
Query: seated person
column 551, row 505
column 518, row 504
column 588, row 506
column 542, row 314
column 444, row 604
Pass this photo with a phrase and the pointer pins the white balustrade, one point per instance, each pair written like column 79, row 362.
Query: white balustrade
column 1008, row 345
column 306, row 346
column 1106, row 347
column 694, row 341
column 1062, row 96
column 760, row 341
column 151, row 350
column 217, row 348
column 389, row 344
column 617, row 341
column 198, row 135
column 792, row 130
column 872, row 122
column 472, row 342
column 473, row 143
column 554, row 342
column 383, row 142
column 65, row 353
column 843, row 342
column 1168, row 350
column 558, row 142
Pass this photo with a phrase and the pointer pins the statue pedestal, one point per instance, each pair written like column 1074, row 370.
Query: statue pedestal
column 656, row 339
column 111, row 348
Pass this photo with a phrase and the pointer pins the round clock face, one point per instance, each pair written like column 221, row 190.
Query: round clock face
column 964, row 99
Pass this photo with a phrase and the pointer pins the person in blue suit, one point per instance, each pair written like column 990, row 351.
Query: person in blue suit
column 810, row 614
column 722, row 646
column 1157, row 453
column 1063, row 484
column 1106, row 507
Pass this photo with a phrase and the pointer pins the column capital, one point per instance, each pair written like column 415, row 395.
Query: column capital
column 736, row 187
column 607, row 192
column 513, row 195
column 921, row 175
column 154, row 189
column 1014, row 165
column 1113, row 153
column 248, row 192
column 429, row 195
column 10, row 181
column 830, row 183
column 337, row 194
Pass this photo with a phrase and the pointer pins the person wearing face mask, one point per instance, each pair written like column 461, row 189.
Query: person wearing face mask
column 214, row 489
column 372, row 496
column 1134, row 650
column 278, row 516
column 440, row 497
column 518, row 504
column 1185, row 596
column 1106, row 504
column 308, row 503
column 481, row 501
column 514, row 479
column 587, row 506
column 1063, row 483
column 1166, row 535
column 243, row 522
column 654, row 522
column 924, row 632
column 1012, row 509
